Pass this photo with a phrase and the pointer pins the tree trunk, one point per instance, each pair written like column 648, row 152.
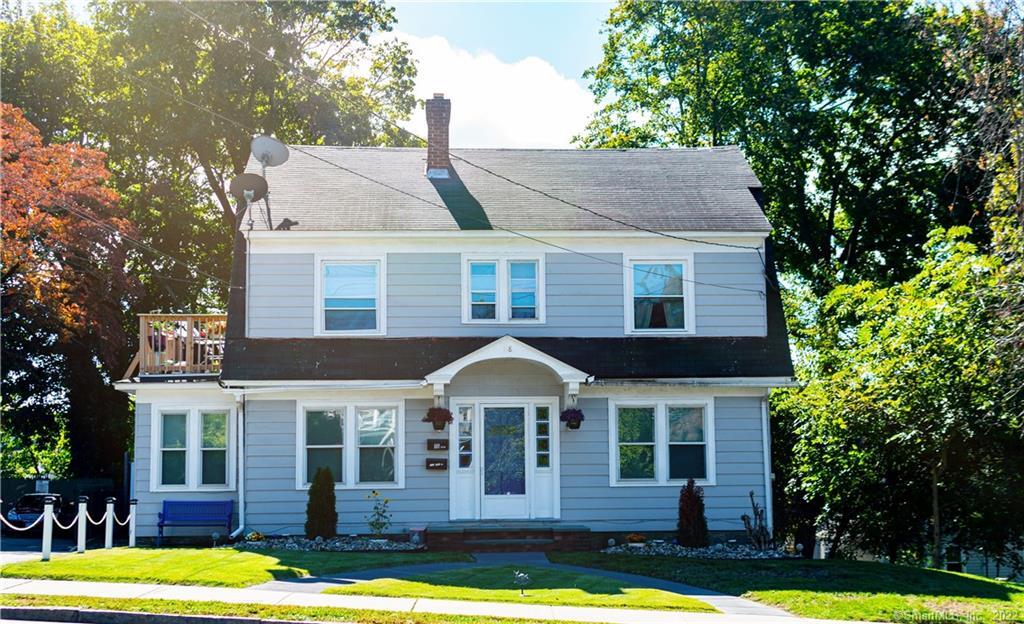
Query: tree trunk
column 936, row 518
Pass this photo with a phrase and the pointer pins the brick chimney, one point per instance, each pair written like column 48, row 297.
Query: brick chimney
column 439, row 113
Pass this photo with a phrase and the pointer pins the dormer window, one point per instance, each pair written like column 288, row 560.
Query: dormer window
column 502, row 290
column 350, row 299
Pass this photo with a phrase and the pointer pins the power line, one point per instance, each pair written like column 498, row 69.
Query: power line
column 363, row 176
column 297, row 72
column 145, row 246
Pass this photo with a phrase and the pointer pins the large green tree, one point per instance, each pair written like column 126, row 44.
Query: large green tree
column 119, row 82
column 901, row 426
column 850, row 113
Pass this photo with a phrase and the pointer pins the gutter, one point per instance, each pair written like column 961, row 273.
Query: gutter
column 240, row 476
column 766, row 446
column 369, row 385
column 757, row 382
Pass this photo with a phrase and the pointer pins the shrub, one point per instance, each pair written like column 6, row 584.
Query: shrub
column 636, row 538
column 693, row 526
column 321, row 513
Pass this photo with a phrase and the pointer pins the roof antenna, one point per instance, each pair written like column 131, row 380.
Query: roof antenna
column 271, row 153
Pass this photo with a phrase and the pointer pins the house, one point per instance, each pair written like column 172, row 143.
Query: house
column 410, row 279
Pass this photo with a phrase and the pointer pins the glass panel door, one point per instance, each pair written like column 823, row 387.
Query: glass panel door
column 504, row 451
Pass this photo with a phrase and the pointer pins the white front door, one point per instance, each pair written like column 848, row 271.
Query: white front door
column 503, row 459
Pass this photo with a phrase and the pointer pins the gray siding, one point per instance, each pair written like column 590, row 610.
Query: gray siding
column 588, row 499
column 150, row 503
column 275, row 506
column 281, row 295
column 723, row 311
column 584, row 296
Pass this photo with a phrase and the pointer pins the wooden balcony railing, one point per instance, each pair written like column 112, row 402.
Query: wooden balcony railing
column 181, row 344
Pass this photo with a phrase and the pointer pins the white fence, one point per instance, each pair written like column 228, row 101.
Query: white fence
column 83, row 520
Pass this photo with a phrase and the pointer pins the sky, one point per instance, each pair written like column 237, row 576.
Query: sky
column 513, row 70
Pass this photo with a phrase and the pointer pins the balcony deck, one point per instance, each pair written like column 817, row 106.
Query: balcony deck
column 180, row 345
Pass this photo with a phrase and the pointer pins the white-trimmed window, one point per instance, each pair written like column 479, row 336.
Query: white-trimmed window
column 502, row 289
column 350, row 297
column 659, row 296
column 213, row 440
column 360, row 442
column 662, row 442
column 192, row 449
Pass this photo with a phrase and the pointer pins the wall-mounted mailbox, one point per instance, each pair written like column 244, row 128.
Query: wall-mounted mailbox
column 437, row 444
column 437, row 463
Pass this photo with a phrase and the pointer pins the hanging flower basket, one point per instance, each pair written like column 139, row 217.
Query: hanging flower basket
column 572, row 417
column 439, row 417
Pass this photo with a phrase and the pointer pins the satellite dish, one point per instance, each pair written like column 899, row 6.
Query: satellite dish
column 248, row 188
column 269, row 151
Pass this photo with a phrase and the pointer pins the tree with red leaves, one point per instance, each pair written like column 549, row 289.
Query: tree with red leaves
column 64, row 286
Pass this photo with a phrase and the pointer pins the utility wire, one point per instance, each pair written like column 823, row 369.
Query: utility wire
column 297, row 72
column 250, row 130
column 145, row 246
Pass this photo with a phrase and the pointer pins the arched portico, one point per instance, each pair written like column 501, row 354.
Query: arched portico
column 505, row 348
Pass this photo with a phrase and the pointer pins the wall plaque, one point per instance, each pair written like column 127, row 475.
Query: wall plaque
column 437, row 444
column 437, row 463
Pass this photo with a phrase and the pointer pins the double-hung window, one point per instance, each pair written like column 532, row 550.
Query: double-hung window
column 192, row 449
column 325, row 443
column 376, row 444
column 503, row 290
column 659, row 297
column 360, row 443
column 662, row 442
column 350, row 296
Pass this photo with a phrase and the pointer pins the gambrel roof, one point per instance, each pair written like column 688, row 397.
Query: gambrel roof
column 693, row 189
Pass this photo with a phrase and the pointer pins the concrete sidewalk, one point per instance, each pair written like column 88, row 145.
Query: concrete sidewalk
column 730, row 605
column 406, row 605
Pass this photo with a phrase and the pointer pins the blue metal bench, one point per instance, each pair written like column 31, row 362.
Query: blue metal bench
column 195, row 513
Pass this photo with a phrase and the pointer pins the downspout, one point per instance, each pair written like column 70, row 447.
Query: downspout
column 240, row 477
column 766, row 447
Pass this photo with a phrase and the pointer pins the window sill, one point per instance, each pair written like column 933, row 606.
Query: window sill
column 185, row 488
column 672, row 483
column 493, row 322
column 369, row 487
column 660, row 332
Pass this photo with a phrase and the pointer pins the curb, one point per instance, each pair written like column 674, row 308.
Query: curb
column 95, row 616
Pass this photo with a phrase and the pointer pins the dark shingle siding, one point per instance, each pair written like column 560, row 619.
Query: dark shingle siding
column 663, row 189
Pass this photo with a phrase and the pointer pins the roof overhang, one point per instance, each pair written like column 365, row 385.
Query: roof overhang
column 508, row 347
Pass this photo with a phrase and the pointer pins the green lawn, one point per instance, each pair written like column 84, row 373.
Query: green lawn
column 547, row 586
column 218, row 567
column 293, row 614
column 846, row 590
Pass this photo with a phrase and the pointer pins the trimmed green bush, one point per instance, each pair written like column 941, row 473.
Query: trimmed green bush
column 321, row 513
column 693, row 525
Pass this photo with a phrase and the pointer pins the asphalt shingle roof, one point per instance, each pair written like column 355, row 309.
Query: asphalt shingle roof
column 696, row 189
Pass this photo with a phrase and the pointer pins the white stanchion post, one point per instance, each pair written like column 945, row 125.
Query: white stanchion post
column 108, row 537
column 131, row 522
column 47, row 527
column 83, row 521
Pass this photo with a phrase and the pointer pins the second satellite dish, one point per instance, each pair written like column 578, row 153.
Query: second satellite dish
column 269, row 150
column 248, row 187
